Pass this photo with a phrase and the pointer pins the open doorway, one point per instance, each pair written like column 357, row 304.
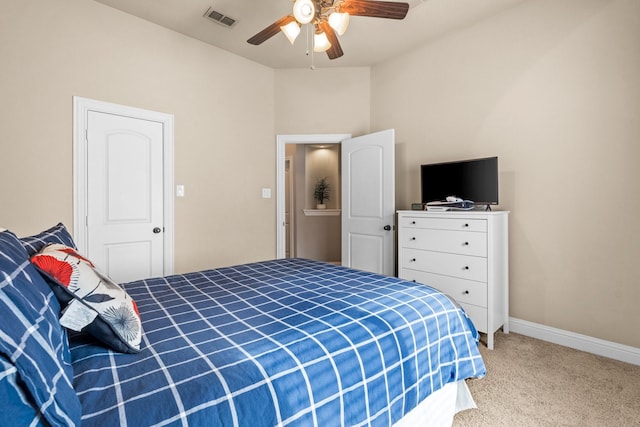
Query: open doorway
column 367, row 192
column 302, row 228
column 313, row 230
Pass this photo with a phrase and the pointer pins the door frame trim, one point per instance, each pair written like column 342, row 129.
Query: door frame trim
column 292, row 214
column 81, row 108
column 281, row 141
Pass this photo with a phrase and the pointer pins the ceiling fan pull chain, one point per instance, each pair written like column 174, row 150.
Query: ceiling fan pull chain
column 310, row 51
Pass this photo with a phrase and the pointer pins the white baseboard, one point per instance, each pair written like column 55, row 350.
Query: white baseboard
column 586, row 343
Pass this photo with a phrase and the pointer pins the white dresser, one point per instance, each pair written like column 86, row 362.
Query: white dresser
column 464, row 254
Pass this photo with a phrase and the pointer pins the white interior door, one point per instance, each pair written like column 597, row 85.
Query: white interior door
column 125, row 221
column 368, row 202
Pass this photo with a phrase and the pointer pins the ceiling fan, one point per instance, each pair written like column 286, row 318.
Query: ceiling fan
column 328, row 17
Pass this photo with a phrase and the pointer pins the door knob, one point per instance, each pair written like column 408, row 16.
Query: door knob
column 387, row 227
column 157, row 230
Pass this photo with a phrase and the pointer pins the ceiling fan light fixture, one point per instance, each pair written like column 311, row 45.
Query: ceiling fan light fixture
column 339, row 21
column 304, row 11
column 291, row 30
column 320, row 42
column 318, row 13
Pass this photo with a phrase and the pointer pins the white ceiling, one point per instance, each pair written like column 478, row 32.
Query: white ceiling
column 366, row 42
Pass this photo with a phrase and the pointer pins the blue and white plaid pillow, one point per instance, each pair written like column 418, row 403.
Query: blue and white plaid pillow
column 31, row 337
column 18, row 403
column 56, row 234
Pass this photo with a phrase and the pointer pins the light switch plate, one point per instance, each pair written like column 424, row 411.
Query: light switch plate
column 179, row 190
column 266, row 193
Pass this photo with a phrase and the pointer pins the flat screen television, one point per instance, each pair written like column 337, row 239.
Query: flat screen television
column 475, row 180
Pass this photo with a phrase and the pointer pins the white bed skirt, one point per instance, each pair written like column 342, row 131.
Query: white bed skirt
column 438, row 409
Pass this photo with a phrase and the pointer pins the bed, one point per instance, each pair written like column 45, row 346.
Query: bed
column 281, row 342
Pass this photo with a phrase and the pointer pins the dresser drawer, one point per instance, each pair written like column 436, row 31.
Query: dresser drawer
column 457, row 242
column 461, row 290
column 463, row 224
column 462, row 266
column 478, row 316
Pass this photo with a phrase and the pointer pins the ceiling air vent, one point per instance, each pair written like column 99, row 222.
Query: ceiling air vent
column 220, row 18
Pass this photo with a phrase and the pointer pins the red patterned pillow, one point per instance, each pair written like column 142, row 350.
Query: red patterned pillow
column 94, row 303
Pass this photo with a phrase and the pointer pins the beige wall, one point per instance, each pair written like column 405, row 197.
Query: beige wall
column 553, row 89
column 51, row 50
column 325, row 100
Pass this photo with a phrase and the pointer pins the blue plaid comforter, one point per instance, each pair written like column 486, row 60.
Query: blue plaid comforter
column 285, row 342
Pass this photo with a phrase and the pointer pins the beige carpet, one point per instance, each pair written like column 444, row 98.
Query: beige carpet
column 535, row 383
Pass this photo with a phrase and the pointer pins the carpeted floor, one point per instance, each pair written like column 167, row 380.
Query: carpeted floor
column 535, row 383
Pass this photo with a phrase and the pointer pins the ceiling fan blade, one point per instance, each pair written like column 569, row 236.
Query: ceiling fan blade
column 375, row 9
column 335, row 51
column 271, row 30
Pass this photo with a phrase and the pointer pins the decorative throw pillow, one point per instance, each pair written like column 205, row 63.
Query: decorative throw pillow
column 33, row 341
column 56, row 234
column 91, row 301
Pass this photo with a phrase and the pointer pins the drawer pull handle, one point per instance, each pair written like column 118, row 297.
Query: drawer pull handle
column 413, row 223
column 413, row 238
column 466, row 267
column 412, row 260
column 465, row 244
column 466, row 292
column 466, row 225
